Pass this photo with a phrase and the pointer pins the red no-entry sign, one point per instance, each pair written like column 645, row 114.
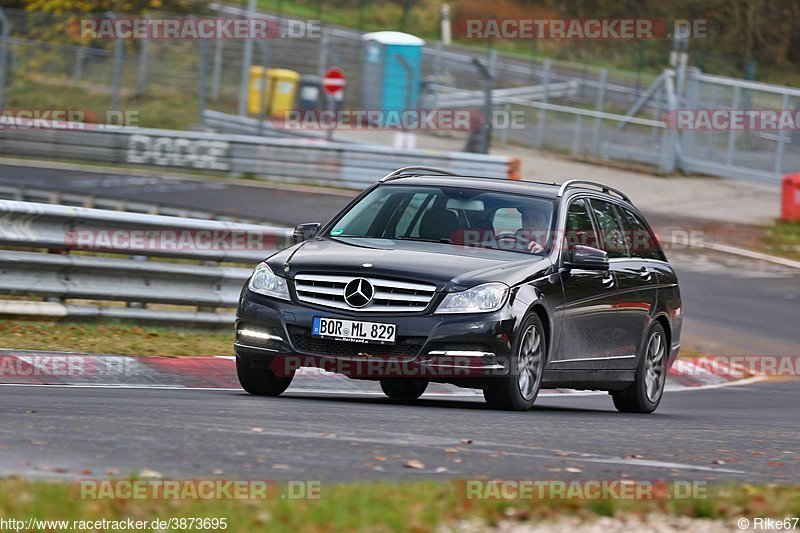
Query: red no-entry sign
column 333, row 82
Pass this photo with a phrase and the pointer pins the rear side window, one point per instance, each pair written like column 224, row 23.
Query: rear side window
column 580, row 230
column 610, row 231
column 641, row 242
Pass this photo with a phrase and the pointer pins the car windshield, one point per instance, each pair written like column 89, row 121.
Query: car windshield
column 450, row 216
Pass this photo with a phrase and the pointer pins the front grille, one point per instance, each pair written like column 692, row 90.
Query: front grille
column 305, row 342
column 390, row 295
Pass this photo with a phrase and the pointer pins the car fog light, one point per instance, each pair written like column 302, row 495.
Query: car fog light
column 259, row 335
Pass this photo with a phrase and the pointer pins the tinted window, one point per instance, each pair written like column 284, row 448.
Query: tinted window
column 580, row 230
column 366, row 218
column 641, row 242
column 450, row 215
column 610, row 231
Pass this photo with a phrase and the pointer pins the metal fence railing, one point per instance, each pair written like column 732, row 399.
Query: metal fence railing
column 141, row 266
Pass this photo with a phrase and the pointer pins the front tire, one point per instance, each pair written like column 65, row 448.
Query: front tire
column 261, row 381
column 644, row 395
column 518, row 390
column 403, row 388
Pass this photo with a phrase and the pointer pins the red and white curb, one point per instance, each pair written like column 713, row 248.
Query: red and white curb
column 25, row 367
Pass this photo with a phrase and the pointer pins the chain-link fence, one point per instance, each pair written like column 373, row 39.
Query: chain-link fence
column 567, row 107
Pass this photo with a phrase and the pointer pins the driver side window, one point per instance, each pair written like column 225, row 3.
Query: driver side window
column 610, row 230
column 579, row 228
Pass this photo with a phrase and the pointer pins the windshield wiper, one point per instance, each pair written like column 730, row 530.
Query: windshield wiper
column 420, row 239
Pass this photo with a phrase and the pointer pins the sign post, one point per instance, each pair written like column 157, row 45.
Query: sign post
column 333, row 83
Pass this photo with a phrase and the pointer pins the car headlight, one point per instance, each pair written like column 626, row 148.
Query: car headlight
column 480, row 299
column 264, row 281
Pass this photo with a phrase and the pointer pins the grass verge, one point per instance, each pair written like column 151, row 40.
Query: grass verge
column 168, row 111
column 418, row 506
column 783, row 238
column 118, row 338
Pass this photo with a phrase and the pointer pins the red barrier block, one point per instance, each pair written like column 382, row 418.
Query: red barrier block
column 790, row 198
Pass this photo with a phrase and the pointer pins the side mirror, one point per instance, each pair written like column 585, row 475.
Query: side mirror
column 587, row 258
column 303, row 232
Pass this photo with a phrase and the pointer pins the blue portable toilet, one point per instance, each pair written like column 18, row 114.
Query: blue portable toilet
column 386, row 84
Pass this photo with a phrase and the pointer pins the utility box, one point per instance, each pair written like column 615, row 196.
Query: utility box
column 392, row 71
column 259, row 91
column 283, row 84
column 309, row 93
column 790, row 198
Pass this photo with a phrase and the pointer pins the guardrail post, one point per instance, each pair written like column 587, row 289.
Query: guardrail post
column 781, row 148
column 737, row 92
column 542, row 111
column 692, row 98
column 216, row 73
column 601, row 95
column 77, row 71
column 262, row 115
column 324, row 43
column 4, row 42
column 117, row 72
column 201, row 75
column 437, row 61
column 504, row 131
column 488, row 77
column 670, row 138
column 247, row 59
column 144, row 55
column 576, row 139
column 657, row 99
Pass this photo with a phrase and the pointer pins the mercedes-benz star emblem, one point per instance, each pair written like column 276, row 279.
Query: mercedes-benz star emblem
column 358, row 292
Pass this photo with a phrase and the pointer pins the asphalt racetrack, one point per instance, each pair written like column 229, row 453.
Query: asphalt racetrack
column 732, row 306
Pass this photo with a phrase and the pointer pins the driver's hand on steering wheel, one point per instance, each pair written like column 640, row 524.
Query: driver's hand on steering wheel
column 535, row 248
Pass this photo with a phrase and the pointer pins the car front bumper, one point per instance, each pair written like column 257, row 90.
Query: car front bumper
column 445, row 348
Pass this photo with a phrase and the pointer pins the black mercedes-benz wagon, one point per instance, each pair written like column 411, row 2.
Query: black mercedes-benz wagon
column 505, row 286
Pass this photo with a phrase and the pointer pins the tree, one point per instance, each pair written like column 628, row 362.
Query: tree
column 118, row 6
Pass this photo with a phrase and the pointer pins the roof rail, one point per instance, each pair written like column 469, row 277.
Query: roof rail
column 416, row 171
column 605, row 188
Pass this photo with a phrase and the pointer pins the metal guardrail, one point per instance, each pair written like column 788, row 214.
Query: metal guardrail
column 227, row 123
column 22, row 193
column 133, row 281
column 447, row 97
column 289, row 160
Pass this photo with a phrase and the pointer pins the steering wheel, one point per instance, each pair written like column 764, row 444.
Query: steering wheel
column 507, row 236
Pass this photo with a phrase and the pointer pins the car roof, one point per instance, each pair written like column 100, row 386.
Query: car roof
column 534, row 188
column 546, row 190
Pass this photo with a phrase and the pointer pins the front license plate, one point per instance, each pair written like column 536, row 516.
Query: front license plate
column 354, row 331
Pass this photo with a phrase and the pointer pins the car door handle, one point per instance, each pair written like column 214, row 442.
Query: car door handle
column 645, row 274
column 608, row 282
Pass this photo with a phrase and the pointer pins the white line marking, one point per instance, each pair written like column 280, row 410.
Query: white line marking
column 742, row 252
column 544, row 393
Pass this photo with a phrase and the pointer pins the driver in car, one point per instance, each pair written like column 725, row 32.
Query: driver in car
column 532, row 236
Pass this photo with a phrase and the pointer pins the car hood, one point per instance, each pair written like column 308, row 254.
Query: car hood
column 449, row 267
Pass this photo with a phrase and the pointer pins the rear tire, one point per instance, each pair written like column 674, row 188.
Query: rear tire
column 644, row 395
column 403, row 388
column 260, row 381
column 518, row 390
